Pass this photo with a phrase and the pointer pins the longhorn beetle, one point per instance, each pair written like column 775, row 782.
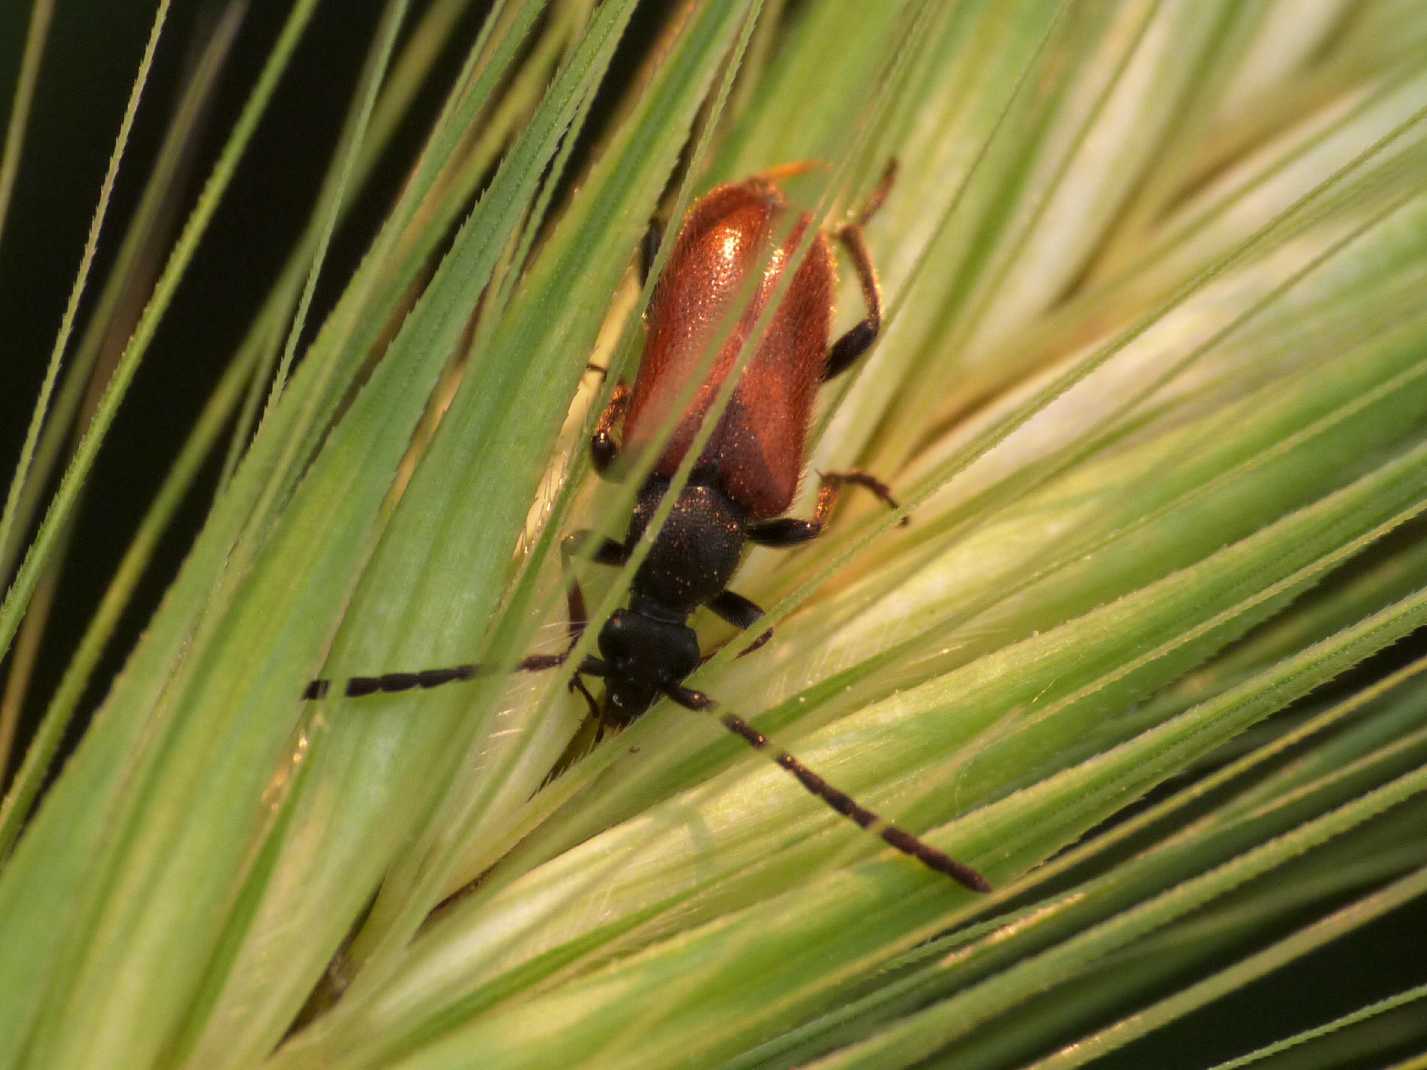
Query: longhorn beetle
column 744, row 478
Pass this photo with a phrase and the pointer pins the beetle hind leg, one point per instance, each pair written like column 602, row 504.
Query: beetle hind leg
column 786, row 531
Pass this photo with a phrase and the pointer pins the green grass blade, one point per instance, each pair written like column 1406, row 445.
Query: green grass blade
column 1151, row 391
column 13, row 606
column 40, row 16
column 1308, row 1036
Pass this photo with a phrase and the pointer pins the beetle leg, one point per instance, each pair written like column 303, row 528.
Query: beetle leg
column 790, row 531
column 859, row 339
column 603, row 448
column 577, row 684
column 837, row 799
column 741, row 613
column 649, row 249
column 596, row 711
column 609, row 553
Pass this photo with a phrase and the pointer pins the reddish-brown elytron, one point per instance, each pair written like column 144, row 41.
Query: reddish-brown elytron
column 758, row 445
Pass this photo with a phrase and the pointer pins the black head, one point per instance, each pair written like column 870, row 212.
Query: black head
column 643, row 655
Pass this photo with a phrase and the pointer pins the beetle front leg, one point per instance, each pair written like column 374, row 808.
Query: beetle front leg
column 604, row 450
column 649, row 249
column 742, row 614
column 609, row 553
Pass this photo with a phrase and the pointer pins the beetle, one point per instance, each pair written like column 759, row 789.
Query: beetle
column 746, row 474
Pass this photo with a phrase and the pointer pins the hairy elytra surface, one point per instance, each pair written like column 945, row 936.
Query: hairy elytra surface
column 758, row 445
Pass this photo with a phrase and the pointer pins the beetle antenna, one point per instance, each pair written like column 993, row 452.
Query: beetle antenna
column 840, row 801
column 392, row 682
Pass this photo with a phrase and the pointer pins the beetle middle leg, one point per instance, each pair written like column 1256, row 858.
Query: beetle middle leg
column 788, row 531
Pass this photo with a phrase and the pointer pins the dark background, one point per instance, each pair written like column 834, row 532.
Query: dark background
column 89, row 64
column 90, row 58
